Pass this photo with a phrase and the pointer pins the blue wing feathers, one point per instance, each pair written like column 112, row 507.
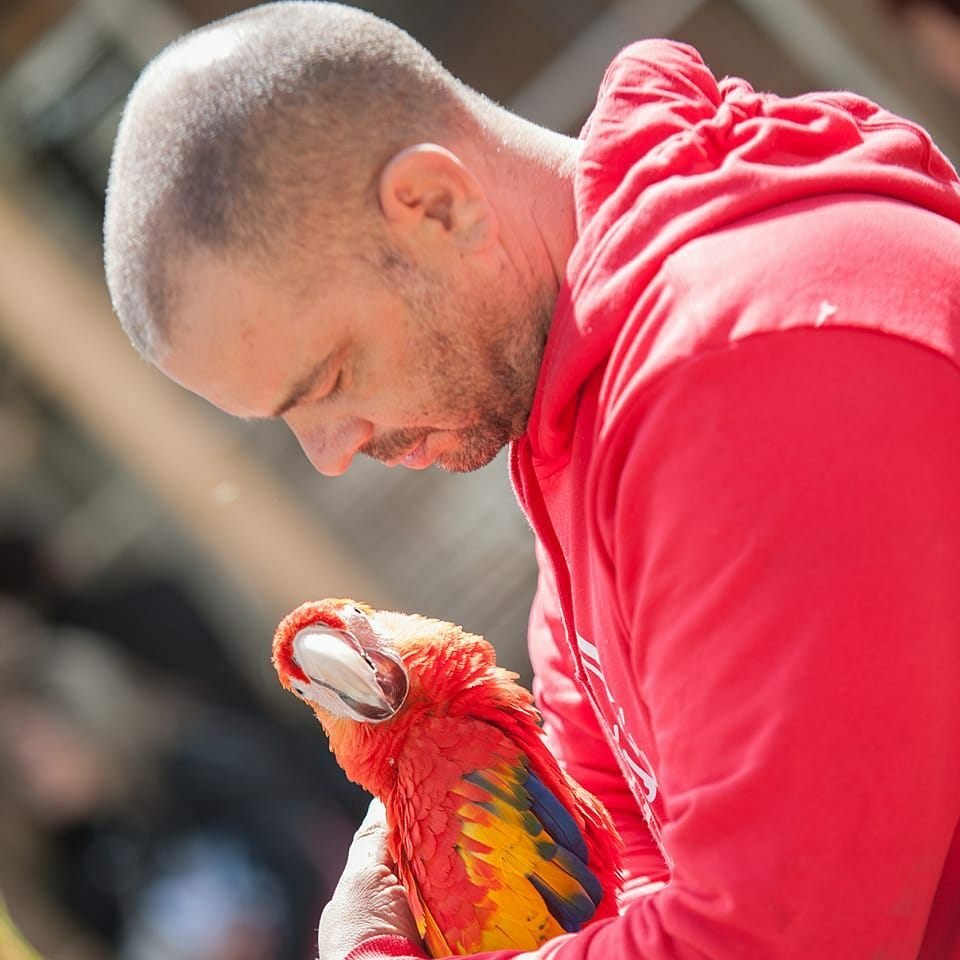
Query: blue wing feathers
column 569, row 889
column 555, row 817
column 582, row 874
column 571, row 912
column 569, row 851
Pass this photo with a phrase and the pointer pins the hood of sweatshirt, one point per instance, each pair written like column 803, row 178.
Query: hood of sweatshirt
column 669, row 154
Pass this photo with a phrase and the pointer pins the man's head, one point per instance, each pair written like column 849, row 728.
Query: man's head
column 300, row 224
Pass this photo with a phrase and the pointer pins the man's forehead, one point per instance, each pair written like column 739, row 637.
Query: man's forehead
column 215, row 347
column 217, row 294
column 216, row 377
column 241, row 342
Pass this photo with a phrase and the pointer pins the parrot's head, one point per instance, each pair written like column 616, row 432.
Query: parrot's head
column 329, row 654
column 371, row 676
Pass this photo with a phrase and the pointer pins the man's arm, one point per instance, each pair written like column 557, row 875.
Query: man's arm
column 785, row 527
column 797, row 499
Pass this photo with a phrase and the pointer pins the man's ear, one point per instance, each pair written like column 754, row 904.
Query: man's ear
column 425, row 186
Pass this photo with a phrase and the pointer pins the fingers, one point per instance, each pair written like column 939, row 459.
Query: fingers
column 375, row 818
column 369, row 844
column 369, row 900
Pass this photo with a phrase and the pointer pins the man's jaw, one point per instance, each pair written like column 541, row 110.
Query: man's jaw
column 443, row 448
column 456, row 451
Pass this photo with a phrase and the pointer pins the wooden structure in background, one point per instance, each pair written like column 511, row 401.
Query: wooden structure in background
column 58, row 322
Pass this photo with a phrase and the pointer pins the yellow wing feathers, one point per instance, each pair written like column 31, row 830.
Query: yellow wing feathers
column 518, row 875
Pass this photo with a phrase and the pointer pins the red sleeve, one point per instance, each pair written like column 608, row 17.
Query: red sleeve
column 785, row 523
column 383, row 947
column 786, row 526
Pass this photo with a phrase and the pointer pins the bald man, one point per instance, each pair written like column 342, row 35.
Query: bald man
column 720, row 332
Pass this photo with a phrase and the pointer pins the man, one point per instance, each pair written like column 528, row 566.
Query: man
column 720, row 331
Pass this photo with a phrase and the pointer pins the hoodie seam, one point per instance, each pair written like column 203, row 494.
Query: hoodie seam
column 604, row 433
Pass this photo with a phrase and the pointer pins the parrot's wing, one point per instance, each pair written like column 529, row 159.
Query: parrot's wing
column 531, row 836
column 500, row 864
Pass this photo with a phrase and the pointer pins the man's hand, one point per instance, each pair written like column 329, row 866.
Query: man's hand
column 369, row 900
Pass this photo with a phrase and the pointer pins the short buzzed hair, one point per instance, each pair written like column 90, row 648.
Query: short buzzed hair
column 239, row 132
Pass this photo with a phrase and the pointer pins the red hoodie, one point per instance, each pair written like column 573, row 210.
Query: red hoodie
column 743, row 469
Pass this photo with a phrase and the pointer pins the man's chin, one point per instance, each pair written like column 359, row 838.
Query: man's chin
column 467, row 461
column 453, row 451
column 458, row 465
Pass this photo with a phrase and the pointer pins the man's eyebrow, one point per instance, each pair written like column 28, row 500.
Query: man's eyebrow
column 304, row 385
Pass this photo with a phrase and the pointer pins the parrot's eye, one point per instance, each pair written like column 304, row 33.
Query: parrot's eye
column 357, row 610
column 299, row 688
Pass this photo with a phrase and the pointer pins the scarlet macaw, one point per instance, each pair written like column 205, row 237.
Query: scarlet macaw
column 495, row 845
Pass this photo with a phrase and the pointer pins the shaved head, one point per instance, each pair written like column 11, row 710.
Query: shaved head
column 241, row 133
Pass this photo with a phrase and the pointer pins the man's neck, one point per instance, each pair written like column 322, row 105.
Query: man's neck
column 552, row 209
column 530, row 172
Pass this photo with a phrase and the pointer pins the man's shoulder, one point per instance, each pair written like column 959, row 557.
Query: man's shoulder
column 837, row 261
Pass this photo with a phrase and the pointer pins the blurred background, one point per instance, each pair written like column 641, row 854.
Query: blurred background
column 160, row 799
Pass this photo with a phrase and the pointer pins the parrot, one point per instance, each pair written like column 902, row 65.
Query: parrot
column 494, row 843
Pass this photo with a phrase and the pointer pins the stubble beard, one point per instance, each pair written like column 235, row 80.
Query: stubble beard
column 506, row 388
column 487, row 375
column 502, row 390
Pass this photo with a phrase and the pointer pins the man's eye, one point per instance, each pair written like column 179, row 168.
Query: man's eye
column 336, row 388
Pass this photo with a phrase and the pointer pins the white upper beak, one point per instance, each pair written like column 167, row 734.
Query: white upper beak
column 345, row 679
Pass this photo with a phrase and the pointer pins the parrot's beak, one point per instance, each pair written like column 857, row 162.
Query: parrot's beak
column 367, row 684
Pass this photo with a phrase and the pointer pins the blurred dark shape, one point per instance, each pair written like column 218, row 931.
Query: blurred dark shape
column 65, row 79
column 156, row 622
column 169, row 825
column 24, row 574
column 934, row 26
column 951, row 6
column 150, row 617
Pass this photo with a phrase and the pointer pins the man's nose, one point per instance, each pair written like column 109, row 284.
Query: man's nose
column 331, row 449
